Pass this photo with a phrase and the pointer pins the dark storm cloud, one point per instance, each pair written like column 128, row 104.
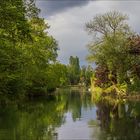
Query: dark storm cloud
column 51, row 7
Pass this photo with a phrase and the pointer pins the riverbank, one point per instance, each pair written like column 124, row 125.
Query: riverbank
column 113, row 93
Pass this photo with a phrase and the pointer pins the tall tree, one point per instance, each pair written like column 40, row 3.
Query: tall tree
column 110, row 48
column 26, row 48
column 74, row 70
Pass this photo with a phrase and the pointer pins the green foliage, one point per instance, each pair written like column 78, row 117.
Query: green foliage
column 77, row 74
column 85, row 75
column 113, row 51
column 28, row 53
column 97, row 94
column 57, row 76
column 74, row 70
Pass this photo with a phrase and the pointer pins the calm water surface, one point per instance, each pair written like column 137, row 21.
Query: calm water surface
column 70, row 115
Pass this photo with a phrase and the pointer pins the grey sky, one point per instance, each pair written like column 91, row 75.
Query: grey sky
column 67, row 20
column 51, row 7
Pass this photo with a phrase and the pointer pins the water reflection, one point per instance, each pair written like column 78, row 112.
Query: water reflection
column 38, row 120
column 119, row 122
column 33, row 121
column 70, row 115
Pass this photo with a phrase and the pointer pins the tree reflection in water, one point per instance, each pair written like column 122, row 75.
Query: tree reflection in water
column 119, row 122
column 31, row 121
column 40, row 119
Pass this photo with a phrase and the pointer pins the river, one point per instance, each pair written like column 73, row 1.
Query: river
column 69, row 115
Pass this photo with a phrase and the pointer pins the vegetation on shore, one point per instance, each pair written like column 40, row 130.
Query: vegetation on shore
column 28, row 53
column 116, row 53
column 28, row 63
column 29, row 66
